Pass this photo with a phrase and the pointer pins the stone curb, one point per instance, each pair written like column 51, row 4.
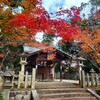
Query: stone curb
column 35, row 95
column 93, row 93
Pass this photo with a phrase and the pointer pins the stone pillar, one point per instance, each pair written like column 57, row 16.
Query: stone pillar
column 83, row 83
column 80, row 70
column 13, row 81
column 92, row 77
column 88, row 81
column 23, row 62
column 22, row 68
column 96, row 78
column 26, row 79
column 20, row 79
column 6, row 94
column 33, row 78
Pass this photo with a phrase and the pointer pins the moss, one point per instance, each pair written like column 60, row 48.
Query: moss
column 1, row 96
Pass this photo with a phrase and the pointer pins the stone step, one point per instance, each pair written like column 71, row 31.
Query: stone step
column 59, row 95
column 70, row 98
column 67, row 90
column 62, row 91
column 54, row 85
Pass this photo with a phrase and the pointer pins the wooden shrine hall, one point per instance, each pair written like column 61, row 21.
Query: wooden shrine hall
column 44, row 67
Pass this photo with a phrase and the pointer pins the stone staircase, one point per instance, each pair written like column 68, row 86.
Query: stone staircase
column 62, row 91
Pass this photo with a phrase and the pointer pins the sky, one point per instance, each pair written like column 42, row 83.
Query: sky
column 54, row 5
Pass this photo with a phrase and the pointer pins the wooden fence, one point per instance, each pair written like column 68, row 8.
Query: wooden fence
column 24, row 81
column 89, row 79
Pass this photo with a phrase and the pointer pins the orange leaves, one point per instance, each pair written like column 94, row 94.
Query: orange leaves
column 90, row 42
column 29, row 5
column 34, row 44
column 51, row 56
column 47, row 49
column 1, row 22
column 24, row 3
column 5, row 1
column 50, row 51
column 86, row 48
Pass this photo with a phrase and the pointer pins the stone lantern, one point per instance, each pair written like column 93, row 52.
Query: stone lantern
column 80, row 65
column 23, row 61
column 8, row 77
column 80, row 61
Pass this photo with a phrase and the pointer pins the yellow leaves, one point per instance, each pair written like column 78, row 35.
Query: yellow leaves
column 98, row 60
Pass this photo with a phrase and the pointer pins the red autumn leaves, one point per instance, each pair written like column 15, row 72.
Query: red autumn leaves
column 39, row 21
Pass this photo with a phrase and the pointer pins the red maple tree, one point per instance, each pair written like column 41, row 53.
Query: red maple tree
column 23, row 27
column 39, row 21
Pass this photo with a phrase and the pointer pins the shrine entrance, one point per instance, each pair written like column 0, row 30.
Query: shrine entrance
column 45, row 67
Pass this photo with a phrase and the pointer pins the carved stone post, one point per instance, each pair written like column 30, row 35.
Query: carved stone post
column 92, row 77
column 80, row 65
